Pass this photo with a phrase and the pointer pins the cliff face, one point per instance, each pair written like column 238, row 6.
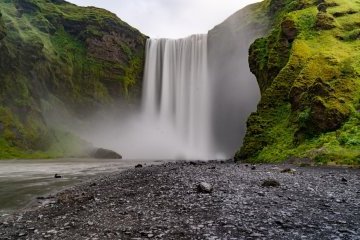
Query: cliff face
column 53, row 53
column 308, row 70
column 234, row 84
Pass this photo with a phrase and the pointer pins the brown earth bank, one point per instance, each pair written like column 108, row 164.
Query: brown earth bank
column 166, row 202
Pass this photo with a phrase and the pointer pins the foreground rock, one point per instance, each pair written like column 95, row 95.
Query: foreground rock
column 204, row 188
column 161, row 202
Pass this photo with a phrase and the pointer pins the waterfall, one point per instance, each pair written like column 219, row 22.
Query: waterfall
column 197, row 95
column 177, row 91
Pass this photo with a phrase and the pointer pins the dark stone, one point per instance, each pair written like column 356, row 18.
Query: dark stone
column 322, row 7
column 327, row 117
column 26, row 6
column 288, row 170
column 139, row 166
column 270, row 183
column 57, row 176
column 102, row 153
column 253, row 167
column 289, row 30
column 320, row 88
column 204, row 188
column 344, row 179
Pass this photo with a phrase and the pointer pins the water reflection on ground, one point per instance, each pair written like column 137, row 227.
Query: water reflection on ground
column 21, row 181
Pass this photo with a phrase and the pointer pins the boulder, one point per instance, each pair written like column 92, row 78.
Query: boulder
column 102, row 153
column 57, row 176
column 204, row 188
column 327, row 115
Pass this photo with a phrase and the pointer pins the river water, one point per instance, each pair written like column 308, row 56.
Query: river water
column 22, row 181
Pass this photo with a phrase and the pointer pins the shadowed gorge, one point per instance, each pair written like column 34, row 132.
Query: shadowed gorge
column 236, row 92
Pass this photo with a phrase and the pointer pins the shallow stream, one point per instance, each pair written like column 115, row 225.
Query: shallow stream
column 22, row 181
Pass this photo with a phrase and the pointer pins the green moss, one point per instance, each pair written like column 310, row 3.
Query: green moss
column 310, row 90
column 85, row 57
column 132, row 74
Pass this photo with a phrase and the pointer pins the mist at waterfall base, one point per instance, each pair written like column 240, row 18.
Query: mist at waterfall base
column 174, row 121
column 197, row 95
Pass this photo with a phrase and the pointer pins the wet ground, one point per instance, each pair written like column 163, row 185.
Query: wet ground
column 165, row 202
column 21, row 181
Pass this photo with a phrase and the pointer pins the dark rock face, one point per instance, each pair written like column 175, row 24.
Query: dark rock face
column 2, row 28
column 327, row 118
column 228, row 45
column 326, row 111
column 25, row 6
column 102, row 153
column 289, row 30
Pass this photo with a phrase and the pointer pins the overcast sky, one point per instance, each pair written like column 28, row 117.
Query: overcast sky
column 170, row 18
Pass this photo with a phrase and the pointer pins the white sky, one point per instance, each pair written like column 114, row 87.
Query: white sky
column 170, row 18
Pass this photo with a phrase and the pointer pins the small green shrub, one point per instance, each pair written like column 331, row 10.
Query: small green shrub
column 304, row 117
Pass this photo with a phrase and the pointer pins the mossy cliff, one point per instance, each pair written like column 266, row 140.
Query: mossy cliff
column 55, row 53
column 308, row 70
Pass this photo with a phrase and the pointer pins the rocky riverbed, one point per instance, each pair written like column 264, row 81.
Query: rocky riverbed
column 200, row 201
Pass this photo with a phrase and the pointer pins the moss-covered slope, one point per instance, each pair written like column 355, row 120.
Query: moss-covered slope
column 308, row 69
column 55, row 53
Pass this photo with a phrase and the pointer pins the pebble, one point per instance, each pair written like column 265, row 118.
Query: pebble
column 204, row 187
column 22, row 234
column 289, row 170
column 53, row 231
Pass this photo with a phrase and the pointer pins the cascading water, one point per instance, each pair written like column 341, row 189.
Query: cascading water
column 197, row 95
column 177, row 93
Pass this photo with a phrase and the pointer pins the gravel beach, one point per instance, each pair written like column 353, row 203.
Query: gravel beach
column 195, row 200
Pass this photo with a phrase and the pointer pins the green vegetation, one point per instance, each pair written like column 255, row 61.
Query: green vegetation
column 84, row 57
column 308, row 69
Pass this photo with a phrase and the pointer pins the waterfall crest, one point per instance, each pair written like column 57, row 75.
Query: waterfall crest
column 177, row 91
